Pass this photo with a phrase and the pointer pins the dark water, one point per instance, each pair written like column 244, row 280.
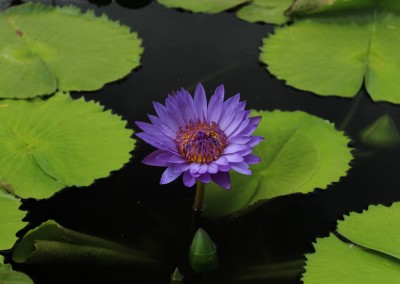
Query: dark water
column 182, row 49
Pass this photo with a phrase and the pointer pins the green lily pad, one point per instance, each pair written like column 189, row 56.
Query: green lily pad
column 8, row 276
column 10, row 220
column 45, row 48
column 382, row 133
column 52, row 243
column 46, row 145
column 202, row 6
column 334, row 55
column 307, row 7
column 266, row 11
column 337, row 262
column 301, row 152
column 377, row 228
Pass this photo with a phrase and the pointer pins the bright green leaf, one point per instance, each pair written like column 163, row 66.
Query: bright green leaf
column 333, row 55
column 301, row 152
column 47, row 145
column 52, row 243
column 377, row 228
column 10, row 220
column 337, row 262
column 202, row 6
column 267, row 11
column 45, row 48
column 382, row 133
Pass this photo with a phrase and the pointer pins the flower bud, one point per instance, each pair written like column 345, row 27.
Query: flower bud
column 203, row 253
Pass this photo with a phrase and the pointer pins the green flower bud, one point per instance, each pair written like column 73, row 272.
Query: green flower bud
column 176, row 277
column 203, row 253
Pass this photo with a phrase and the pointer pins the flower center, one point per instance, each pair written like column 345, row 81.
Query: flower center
column 200, row 142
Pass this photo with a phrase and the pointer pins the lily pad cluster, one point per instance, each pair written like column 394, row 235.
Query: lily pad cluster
column 370, row 254
column 56, row 141
column 265, row 11
column 332, row 48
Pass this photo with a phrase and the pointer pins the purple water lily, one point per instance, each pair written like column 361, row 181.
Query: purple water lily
column 202, row 142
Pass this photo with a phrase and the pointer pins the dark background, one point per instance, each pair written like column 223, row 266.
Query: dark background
column 182, row 49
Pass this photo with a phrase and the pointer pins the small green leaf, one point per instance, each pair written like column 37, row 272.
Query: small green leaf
column 301, row 152
column 377, row 228
column 267, row 11
column 381, row 133
column 52, row 243
column 8, row 276
column 46, row 145
column 334, row 55
column 10, row 220
column 202, row 6
column 45, row 48
column 337, row 262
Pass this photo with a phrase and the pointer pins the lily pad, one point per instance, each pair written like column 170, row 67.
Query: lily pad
column 10, row 220
column 8, row 276
column 301, row 152
column 46, row 145
column 202, row 6
column 377, row 228
column 266, row 11
column 46, row 48
column 382, row 133
column 52, row 243
column 337, row 262
column 334, row 55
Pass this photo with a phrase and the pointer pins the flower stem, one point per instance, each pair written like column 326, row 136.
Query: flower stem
column 198, row 200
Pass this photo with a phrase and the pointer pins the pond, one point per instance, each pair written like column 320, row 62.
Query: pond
column 130, row 207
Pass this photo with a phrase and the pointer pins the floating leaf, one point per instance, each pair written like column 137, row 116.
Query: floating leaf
column 267, row 11
column 202, row 6
column 52, row 243
column 46, row 145
column 45, row 48
column 8, row 276
column 301, row 152
column 382, row 133
column 333, row 55
column 377, row 228
column 337, row 262
column 10, row 220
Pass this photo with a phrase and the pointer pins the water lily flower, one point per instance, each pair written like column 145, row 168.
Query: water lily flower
column 201, row 141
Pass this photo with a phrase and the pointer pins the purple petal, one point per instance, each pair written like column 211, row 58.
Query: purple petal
column 252, row 159
column 212, row 168
column 235, row 123
column 205, row 178
column 234, row 148
column 169, row 175
column 200, row 102
column 188, row 179
column 203, row 168
column 186, row 106
column 177, row 159
column 161, row 125
column 234, row 158
column 228, row 111
column 222, row 179
column 181, row 167
column 157, row 140
column 164, row 116
column 245, row 122
column 215, row 104
column 242, row 168
column 255, row 140
column 239, row 140
column 152, row 159
column 221, row 161
column 194, row 168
